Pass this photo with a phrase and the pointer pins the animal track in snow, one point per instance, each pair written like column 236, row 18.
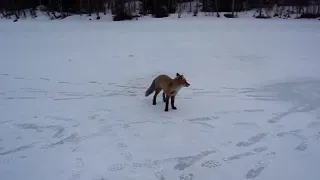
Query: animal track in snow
column 205, row 92
column 313, row 124
column 318, row 136
column 159, row 175
column 60, row 118
column 245, row 154
column 181, row 163
column 258, row 168
column 248, row 124
column 303, row 145
column 94, row 82
column 131, row 129
column 253, row 110
column 205, row 118
column 63, row 82
column 93, row 117
column 127, row 155
column 45, row 79
column 3, row 122
column 33, row 90
column 78, row 168
column 117, row 167
column 21, row 98
column 18, row 77
column 122, row 148
column 210, row 164
column 59, row 130
column 64, row 99
column 260, row 149
column 122, row 145
column 205, row 124
column 280, row 116
column 71, row 138
column 18, row 149
column 238, row 156
column 186, row 162
column 100, row 178
column 186, row 176
column 252, row 140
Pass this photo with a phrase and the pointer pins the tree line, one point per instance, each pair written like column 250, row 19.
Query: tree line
column 129, row 9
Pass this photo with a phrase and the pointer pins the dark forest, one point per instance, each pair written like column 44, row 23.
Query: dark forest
column 133, row 9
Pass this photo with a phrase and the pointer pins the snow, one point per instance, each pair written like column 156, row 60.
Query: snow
column 72, row 102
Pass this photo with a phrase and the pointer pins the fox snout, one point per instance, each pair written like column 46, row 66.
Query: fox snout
column 187, row 84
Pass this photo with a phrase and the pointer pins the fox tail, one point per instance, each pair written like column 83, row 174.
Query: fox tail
column 150, row 89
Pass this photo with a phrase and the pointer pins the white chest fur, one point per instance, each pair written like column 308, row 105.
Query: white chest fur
column 175, row 91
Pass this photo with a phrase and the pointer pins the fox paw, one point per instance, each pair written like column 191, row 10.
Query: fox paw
column 174, row 107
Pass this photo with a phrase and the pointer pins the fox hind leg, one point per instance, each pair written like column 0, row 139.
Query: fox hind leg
column 154, row 101
column 172, row 102
column 167, row 103
column 164, row 97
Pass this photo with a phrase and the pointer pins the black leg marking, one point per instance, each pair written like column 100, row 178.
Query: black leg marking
column 172, row 102
column 164, row 97
column 154, row 102
column 167, row 103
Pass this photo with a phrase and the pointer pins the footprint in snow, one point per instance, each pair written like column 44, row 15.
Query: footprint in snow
column 186, row 176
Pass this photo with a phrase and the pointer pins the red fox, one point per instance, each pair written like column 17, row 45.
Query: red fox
column 169, row 86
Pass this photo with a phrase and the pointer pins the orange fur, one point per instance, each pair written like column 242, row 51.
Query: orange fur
column 169, row 86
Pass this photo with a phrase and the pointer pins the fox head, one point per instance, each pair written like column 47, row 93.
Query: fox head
column 181, row 80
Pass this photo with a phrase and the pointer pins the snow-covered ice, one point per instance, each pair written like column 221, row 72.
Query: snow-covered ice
column 72, row 102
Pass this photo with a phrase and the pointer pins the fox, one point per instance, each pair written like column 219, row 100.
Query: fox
column 169, row 86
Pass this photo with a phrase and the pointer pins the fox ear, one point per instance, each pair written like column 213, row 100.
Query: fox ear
column 178, row 74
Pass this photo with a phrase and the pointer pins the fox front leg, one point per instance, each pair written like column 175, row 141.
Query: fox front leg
column 172, row 102
column 167, row 103
column 164, row 97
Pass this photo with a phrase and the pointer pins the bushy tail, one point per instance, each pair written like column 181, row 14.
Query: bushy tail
column 150, row 89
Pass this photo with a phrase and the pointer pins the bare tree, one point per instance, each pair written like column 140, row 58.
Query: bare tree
column 89, row 7
column 232, row 8
column 217, row 7
column 195, row 12
column 179, row 8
